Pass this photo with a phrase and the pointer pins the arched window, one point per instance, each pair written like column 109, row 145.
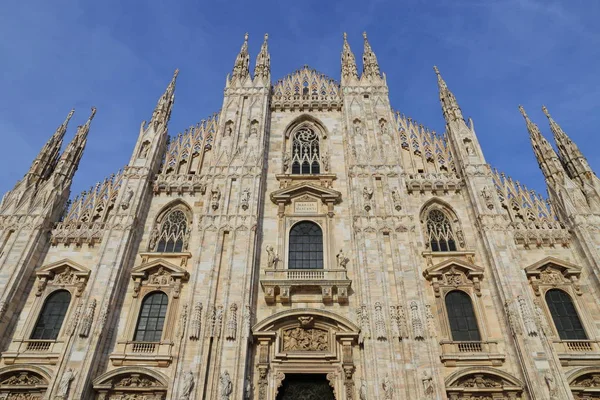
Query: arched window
column 152, row 318
column 52, row 316
column 461, row 316
column 439, row 231
column 305, row 152
column 172, row 233
column 306, row 246
column 564, row 315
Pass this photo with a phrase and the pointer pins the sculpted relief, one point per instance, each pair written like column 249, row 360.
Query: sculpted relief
column 299, row 339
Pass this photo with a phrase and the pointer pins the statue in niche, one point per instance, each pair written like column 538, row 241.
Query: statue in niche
column 342, row 260
column 245, row 198
column 144, row 149
column 188, row 384
column 357, row 127
column 65, row 383
column 427, row 380
column 272, row 258
column 286, row 161
column 388, row 388
column 469, row 147
column 228, row 130
column 225, row 385
column 325, row 161
column 363, row 390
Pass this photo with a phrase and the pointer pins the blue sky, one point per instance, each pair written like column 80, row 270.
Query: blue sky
column 120, row 55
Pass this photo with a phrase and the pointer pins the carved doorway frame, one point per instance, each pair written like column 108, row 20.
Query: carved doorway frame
column 305, row 341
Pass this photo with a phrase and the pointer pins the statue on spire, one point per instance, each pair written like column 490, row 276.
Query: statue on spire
column 263, row 61
column 370, row 65
column 450, row 106
column 348, row 61
column 162, row 112
column 242, row 62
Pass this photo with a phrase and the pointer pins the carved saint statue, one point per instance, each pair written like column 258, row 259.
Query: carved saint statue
column 65, row 383
column 188, row 384
column 272, row 258
column 247, row 389
column 245, row 198
column 325, row 161
column 342, row 260
column 388, row 388
column 127, row 200
column 362, row 395
column 228, row 130
column 225, row 385
column 357, row 127
column 144, row 149
column 427, row 384
column 286, row 161
column 367, row 193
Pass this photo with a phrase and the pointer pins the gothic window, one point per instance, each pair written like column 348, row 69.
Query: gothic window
column 305, row 152
column 152, row 318
column 439, row 231
column 52, row 316
column 306, row 246
column 172, row 233
column 463, row 323
column 564, row 315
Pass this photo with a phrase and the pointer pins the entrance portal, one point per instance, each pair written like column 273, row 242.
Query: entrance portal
column 305, row 387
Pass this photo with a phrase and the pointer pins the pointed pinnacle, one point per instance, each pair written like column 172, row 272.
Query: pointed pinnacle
column 266, row 37
column 545, row 110
column 345, row 36
column 437, row 71
column 69, row 116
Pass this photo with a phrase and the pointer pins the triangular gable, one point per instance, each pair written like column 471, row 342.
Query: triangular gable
column 566, row 268
column 285, row 195
column 175, row 270
column 470, row 270
column 49, row 270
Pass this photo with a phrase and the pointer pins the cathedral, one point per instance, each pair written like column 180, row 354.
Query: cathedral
column 305, row 242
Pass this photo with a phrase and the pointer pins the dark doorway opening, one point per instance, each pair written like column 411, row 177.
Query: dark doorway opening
column 305, row 387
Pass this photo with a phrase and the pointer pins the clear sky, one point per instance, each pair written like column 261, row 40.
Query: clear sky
column 120, row 55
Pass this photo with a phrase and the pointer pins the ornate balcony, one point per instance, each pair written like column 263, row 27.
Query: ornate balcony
column 280, row 284
column 470, row 353
column 577, row 352
column 142, row 353
column 33, row 351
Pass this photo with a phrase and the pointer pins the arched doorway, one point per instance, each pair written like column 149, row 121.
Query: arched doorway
column 305, row 387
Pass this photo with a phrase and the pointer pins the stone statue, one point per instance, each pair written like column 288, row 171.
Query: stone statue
column 427, row 380
column 215, row 197
column 388, row 388
column 188, row 384
column 286, row 161
column 245, row 198
column 367, row 193
column 272, row 258
column 65, row 383
column 550, row 382
column 362, row 395
column 325, row 161
column 357, row 128
column 342, row 260
column 225, row 385
column 247, row 389
column 127, row 200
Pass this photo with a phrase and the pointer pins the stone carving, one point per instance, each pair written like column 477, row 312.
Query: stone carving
column 357, row 127
column 211, row 321
column 188, row 384
column 245, row 199
column 218, row 321
column 388, row 387
column 552, row 390
column 65, row 384
column 286, row 161
column 248, row 389
column 231, row 329
column 487, row 197
column 66, row 277
column 127, row 200
column 430, row 321
column 215, row 196
column 367, row 194
column 587, row 380
column 540, row 320
column 88, row 319
column 342, row 260
column 428, row 389
column 398, row 322
column 225, row 385
column 102, row 320
column 325, row 162
column 74, row 321
column 363, row 322
column 298, row 339
column 417, row 324
column 144, row 149
column 272, row 258
column 247, row 321
column 23, row 378
column 551, row 276
column 513, row 322
column 379, row 323
column 479, row 381
column 530, row 326
column 3, row 308
column 182, row 322
column 362, row 395
column 306, row 321
column 396, row 199
column 160, row 277
column 196, row 324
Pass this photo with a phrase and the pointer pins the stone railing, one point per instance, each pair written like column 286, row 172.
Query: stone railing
column 132, row 352
column 433, row 182
column 33, row 351
column 575, row 352
column 332, row 284
column 467, row 352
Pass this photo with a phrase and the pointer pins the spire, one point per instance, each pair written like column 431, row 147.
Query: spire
column 162, row 112
column 69, row 160
column 370, row 65
column 575, row 162
column 46, row 160
column 348, row 61
column 263, row 61
column 546, row 156
column 240, row 68
column 450, row 106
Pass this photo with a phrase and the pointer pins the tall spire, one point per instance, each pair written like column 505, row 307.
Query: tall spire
column 69, row 160
column 162, row 112
column 46, row 160
column 240, row 68
column 348, row 61
column 450, row 106
column 370, row 65
column 546, row 156
column 263, row 61
column 574, row 161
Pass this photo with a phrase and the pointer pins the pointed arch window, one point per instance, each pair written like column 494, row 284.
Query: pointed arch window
column 305, row 152
column 461, row 316
column 152, row 318
column 52, row 316
column 440, row 234
column 306, row 246
column 565, row 317
column 172, row 233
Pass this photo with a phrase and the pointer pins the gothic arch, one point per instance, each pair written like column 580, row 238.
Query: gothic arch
column 309, row 121
column 456, row 233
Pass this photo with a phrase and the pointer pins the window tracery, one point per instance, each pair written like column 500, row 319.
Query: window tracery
column 306, row 157
column 442, row 233
column 171, row 233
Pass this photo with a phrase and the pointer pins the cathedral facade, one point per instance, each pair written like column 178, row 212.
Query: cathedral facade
column 306, row 242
